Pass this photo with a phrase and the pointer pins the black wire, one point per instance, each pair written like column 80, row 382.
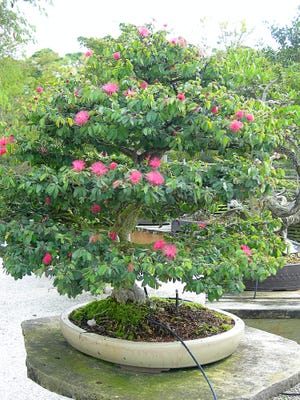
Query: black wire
column 291, row 394
column 152, row 321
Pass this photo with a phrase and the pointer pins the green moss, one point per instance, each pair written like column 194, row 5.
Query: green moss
column 226, row 327
column 131, row 320
column 123, row 317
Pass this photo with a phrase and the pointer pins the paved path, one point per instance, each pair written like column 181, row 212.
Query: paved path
column 26, row 299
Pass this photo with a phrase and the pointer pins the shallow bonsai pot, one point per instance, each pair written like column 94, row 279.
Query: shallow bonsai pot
column 149, row 355
column 286, row 278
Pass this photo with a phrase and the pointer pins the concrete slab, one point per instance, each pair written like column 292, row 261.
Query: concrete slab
column 264, row 366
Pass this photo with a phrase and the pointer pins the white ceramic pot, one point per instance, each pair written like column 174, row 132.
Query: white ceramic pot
column 149, row 355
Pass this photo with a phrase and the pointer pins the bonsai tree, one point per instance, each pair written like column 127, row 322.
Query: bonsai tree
column 135, row 133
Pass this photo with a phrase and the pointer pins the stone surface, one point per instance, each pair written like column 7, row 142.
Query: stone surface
column 264, row 366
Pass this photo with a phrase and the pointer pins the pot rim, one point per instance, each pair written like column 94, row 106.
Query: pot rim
column 239, row 325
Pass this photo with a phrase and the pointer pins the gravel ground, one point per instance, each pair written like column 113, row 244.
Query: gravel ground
column 25, row 299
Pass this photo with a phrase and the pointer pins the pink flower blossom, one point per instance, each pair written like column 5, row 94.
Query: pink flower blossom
column 88, row 53
column 154, row 162
column 179, row 41
column 39, row 89
column 81, row 117
column 129, row 93
column 78, row 165
column 181, row 96
column 143, row 32
column 170, row 251
column 98, row 168
column 159, row 244
column 175, row 133
column 95, row 208
column 155, row 178
column 117, row 55
column 135, row 176
column 47, row 200
column 113, row 235
column 143, row 84
column 239, row 114
column 250, row 117
column 246, row 249
column 3, row 141
column 70, row 255
column 43, row 150
column 47, row 258
column 113, row 165
column 236, row 125
column 110, row 88
column 201, row 224
column 215, row 110
column 2, row 151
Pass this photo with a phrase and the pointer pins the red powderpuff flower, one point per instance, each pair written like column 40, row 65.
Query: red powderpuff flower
column 2, row 151
column 98, row 168
column 154, row 162
column 78, row 165
column 88, row 53
column 181, row 96
column 179, row 41
column 3, row 141
column 250, row 117
column 246, row 249
column 215, row 110
column 117, row 55
column 47, row 258
column 129, row 93
column 236, row 125
column 113, row 165
column 159, row 244
column 170, row 251
column 113, row 235
column 47, row 200
column 39, row 89
column 201, row 224
column 135, row 176
column 110, row 88
column 143, row 85
column 239, row 114
column 155, row 178
column 143, row 32
column 95, row 208
column 81, row 117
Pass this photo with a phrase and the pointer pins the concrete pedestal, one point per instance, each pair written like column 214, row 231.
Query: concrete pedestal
column 263, row 366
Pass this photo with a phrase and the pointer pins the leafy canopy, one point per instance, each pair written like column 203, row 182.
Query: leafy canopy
column 142, row 129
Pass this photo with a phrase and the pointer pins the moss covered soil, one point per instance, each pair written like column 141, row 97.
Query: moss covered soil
column 132, row 321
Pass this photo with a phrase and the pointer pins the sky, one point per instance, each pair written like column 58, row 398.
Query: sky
column 69, row 19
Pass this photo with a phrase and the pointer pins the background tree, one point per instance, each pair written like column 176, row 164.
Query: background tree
column 15, row 30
